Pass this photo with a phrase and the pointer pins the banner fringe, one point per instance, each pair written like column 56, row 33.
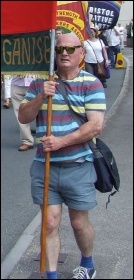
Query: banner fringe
column 34, row 74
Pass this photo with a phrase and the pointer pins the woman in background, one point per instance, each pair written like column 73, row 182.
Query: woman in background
column 93, row 53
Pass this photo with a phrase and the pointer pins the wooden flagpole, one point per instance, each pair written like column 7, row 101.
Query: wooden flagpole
column 47, row 163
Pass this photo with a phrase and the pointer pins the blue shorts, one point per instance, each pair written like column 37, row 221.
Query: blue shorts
column 71, row 183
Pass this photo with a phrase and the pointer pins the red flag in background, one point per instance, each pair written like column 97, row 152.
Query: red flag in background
column 71, row 17
column 25, row 39
column 27, row 16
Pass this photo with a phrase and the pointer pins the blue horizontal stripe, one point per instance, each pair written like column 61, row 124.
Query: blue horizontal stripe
column 85, row 93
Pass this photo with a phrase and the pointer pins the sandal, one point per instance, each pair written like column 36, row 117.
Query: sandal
column 6, row 105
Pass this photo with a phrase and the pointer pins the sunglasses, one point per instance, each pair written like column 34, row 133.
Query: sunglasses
column 69, row 49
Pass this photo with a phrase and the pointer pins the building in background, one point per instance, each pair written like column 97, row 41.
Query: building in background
column 126, row 13
column 125, row 19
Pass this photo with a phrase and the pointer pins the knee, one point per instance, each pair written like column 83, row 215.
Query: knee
column 53, row 218
column 77, row 224
column 52, row 224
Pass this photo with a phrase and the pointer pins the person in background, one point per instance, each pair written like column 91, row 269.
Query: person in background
column 121, row 35
column 93, row 52
column 132, row 33
column 102, row 37
column 70, row 155
column 19, row 86
column 59, row 31
column 113, row 40
column 7, row 91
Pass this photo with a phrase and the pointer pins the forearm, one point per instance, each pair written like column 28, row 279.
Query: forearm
column 28, row 111
column 105, row 54
column 83, row 134
column 116, row 32
column 86, row 132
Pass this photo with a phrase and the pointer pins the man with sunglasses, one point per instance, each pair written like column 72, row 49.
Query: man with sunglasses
column 72, row 173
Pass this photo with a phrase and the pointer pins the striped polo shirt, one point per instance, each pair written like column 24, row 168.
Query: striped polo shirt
column 85, row 93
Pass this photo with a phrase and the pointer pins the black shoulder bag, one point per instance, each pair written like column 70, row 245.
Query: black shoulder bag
column 104, row 161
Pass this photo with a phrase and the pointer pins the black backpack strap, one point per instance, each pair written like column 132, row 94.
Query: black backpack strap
column 76, row 117
column 62, row 90
column 93, row 147
column 111, row 194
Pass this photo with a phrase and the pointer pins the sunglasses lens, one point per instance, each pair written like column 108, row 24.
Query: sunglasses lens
column 60, row 49
column 70, row 50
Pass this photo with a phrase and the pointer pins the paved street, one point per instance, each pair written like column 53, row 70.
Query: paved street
column 17, row 209
column 113, row 227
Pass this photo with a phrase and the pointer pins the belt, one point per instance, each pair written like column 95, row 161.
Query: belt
column 67, row 163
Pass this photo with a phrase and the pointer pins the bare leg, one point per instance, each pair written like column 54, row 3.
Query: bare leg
column 53, row 239
column 83, row 231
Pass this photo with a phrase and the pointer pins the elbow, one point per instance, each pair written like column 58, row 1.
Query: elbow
column 98, row 130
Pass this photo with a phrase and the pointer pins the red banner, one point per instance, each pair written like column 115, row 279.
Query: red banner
column 71, row 18
column 27, row 16
column 25, row 39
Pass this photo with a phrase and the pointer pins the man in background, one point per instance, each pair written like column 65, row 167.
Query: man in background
column 113, row 39
column 121, row 35
column 19, row 86
column 59, row 31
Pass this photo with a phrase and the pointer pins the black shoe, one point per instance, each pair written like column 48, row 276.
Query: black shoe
column 105, row 85
column 112, row 66
column 33, row 131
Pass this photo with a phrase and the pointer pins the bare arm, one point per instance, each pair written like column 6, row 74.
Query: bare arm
column 116, row 32
column 106, row 57
column 86, row 132
column 28, row 111
column 105, row 53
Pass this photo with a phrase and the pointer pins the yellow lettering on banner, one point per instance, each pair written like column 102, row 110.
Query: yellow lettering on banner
column 8, row 62
column 16, row 51
column 25, row 51
column 72, row 15
column 46, row 50
column 71, row 28
column 38, row 46
column 33, row 47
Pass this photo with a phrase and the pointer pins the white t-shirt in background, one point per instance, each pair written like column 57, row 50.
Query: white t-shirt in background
column 89, row 53
column 112, row 38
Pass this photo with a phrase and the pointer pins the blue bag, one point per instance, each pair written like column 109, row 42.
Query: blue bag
column 107, row 72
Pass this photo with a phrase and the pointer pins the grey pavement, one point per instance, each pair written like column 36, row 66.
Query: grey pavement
column 113, row 249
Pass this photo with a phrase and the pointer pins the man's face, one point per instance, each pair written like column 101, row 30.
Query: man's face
column 66, row 60
column 58, row 33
